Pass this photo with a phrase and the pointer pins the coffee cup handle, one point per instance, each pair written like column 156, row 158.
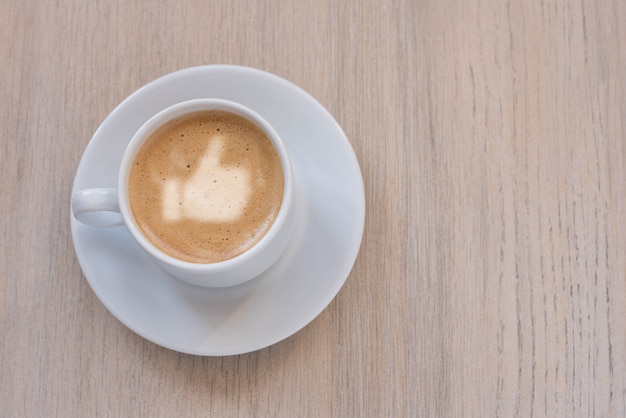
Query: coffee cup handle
column 97, row 207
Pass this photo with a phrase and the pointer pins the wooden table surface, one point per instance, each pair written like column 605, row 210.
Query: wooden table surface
column 491, row 280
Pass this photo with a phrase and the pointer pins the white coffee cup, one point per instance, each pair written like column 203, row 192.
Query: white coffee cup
column 93, row 207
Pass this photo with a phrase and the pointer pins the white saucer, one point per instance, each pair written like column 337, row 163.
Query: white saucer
column 244, row 318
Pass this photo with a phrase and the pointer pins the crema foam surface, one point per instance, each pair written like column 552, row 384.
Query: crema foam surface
column 206, row 186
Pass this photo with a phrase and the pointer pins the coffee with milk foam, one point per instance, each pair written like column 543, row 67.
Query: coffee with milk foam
column 206, row 186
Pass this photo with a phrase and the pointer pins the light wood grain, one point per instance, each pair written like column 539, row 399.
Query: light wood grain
column 491, row 281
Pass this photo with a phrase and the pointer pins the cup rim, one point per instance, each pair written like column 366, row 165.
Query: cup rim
column 179, row 109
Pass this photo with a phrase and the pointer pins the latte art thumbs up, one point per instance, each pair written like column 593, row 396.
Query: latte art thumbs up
column 215, row 192
column 206, row 186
